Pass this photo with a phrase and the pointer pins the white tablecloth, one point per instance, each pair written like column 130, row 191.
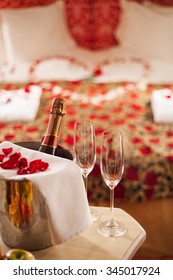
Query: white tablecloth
column 62, row 187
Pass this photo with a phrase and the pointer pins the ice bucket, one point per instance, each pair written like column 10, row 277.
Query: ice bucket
column 23, row 217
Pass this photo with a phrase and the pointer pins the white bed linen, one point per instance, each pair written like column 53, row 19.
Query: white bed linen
column 117, row 64
column 23, row 105
column 162, row 105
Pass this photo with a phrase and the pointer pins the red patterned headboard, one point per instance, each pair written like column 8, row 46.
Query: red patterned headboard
column 12, row 4
column 92, row 23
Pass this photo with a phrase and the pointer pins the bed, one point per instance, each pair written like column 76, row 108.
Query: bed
column 111, row 86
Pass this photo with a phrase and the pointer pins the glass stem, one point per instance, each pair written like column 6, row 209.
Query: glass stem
column 112, row 223
column 86, row 183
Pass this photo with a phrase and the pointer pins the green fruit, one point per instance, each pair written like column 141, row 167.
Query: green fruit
column 19, row 254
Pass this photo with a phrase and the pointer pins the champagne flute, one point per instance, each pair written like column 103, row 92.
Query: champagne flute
column 112, row 168
column 85, row 151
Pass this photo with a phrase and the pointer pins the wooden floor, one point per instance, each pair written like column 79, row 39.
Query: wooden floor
column 156, row 217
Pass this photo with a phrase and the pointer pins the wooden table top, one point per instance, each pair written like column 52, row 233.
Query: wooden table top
column 91, row 245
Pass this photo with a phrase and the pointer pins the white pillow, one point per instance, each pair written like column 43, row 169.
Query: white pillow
column 62, row 19
column 35, row 33
column 146, row 31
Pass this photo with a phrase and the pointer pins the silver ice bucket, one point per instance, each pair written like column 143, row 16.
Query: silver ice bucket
column 23, row 217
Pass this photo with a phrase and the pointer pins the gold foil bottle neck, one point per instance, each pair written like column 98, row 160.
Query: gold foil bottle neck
column 58, row 107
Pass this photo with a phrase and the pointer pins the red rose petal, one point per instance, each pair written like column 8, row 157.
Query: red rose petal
column 96, row 170
column 137, row 107
column 2, row 156
column 38, row 165
column 149, row 128
column 132, row 173
column 151, row 178
column 35, row 163
column 25, row 170
column 99, row 131
column 7, row 151
column 32, row 129
column 118, row 122
column 97, row 72
column 22, row 162
column 43, row 166
column 15, row 156
column 169, row 134
column 27, row 89
column 170, row 145
column 12, row 161
column 69, row 140
column 154, row 140
column 8, row 137
column 146, row 150
column 70, row 124
column 136, row 140
column 9, row 164
column 170, row 158
column 22, row 171
column 3, row 125
column 104, row 117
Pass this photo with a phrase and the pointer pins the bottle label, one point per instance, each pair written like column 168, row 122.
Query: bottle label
column 50, row 140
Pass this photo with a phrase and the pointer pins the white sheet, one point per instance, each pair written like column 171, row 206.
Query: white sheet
column 19, row 104
column 117, row 64
column 162, row 105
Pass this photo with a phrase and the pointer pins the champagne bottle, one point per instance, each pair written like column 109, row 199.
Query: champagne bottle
column 49, row 142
